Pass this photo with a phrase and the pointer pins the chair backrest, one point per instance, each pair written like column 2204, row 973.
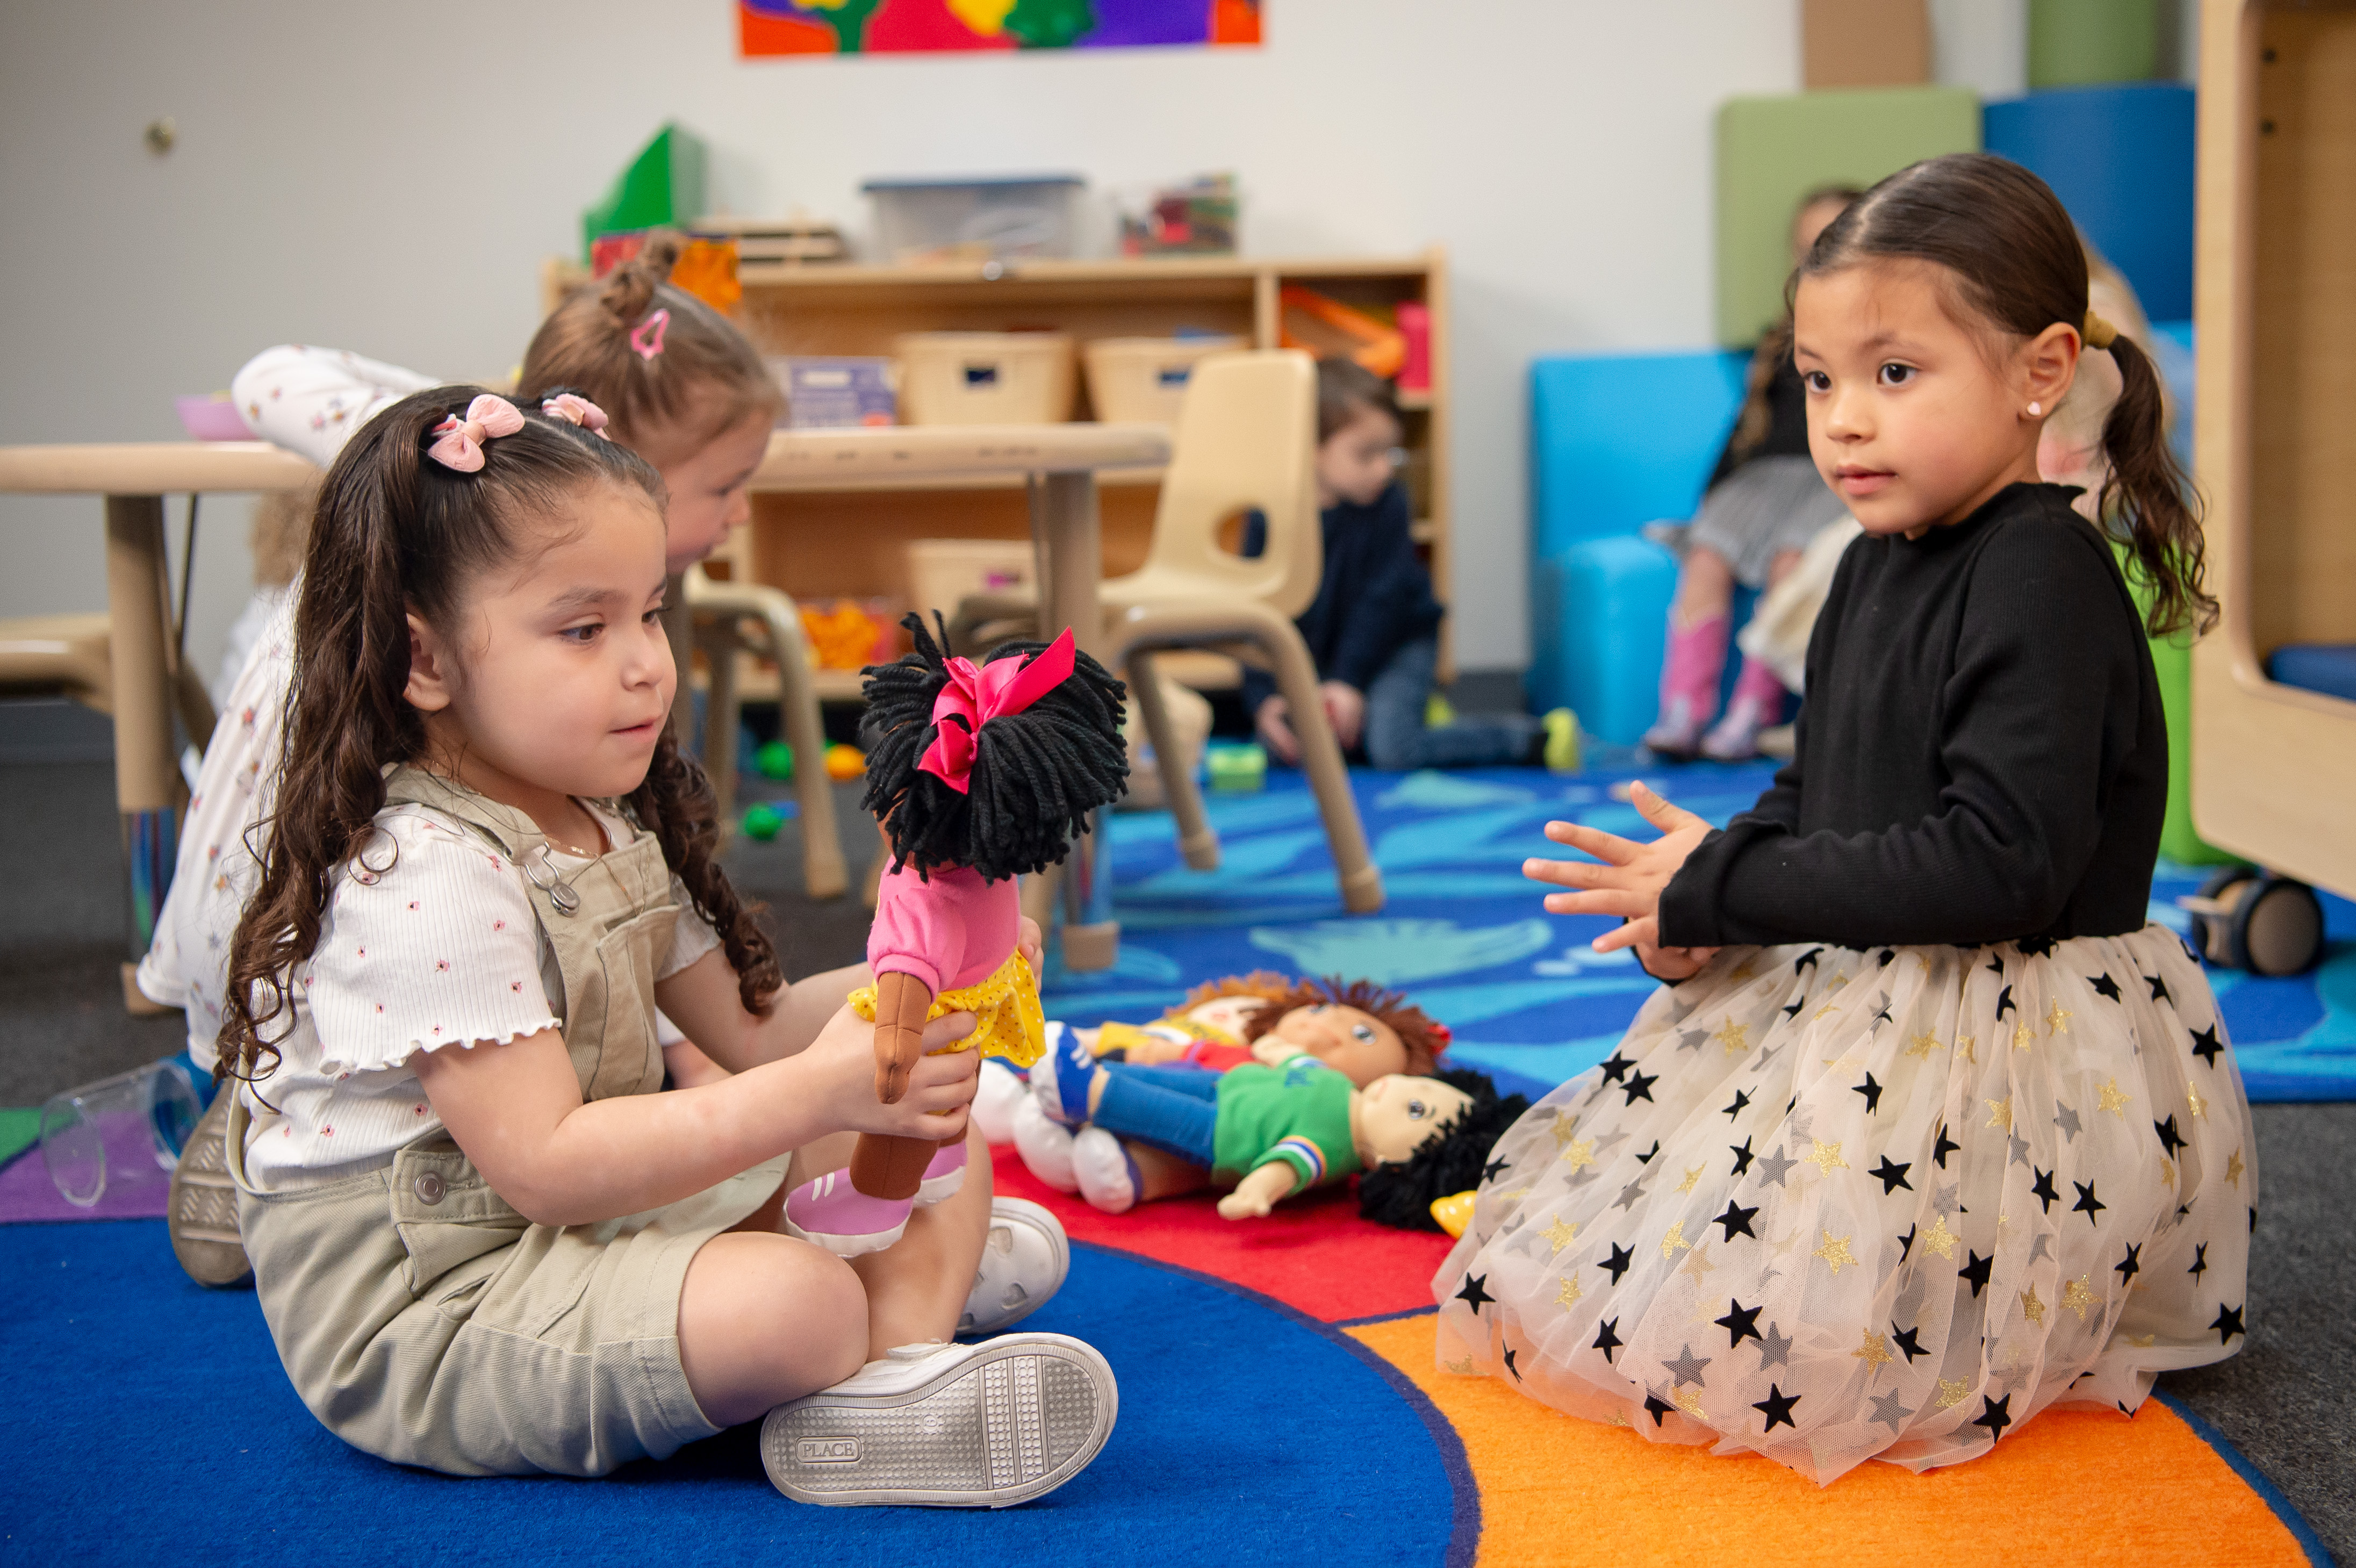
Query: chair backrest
column 1245, row 439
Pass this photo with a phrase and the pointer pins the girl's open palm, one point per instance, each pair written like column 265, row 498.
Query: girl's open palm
column 1625, row 877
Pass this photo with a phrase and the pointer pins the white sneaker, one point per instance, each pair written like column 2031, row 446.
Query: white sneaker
column 1046, row 1146
column 984, row 1425
column 1024, row 1262
column 1107, row 1177
column 994, row 1099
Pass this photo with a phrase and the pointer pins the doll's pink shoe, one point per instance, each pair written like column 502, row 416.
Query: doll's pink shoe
column 1045, row 1147
column 1108, row 1177
column 944, row 1174
column 837, row 1216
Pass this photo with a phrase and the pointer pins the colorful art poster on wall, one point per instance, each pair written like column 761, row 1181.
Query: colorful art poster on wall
column 766, row 28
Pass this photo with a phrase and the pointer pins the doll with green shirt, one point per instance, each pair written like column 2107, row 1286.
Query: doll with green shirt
column 1266, row 1130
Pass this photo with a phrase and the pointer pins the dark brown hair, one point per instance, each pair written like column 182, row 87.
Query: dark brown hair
column 1453, row 1160
column 398, row 534
column 706, row 377
column 2013, row 264
column 1424, row 1037
column 1345, row 390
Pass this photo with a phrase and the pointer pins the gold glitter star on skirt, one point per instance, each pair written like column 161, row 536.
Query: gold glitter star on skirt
column 1940, row 1233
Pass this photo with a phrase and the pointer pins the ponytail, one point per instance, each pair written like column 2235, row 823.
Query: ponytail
column 676, row 805
column 2147, row 503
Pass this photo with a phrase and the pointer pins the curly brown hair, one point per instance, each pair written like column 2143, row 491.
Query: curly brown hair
column 1424, row 1036
column 396, row 534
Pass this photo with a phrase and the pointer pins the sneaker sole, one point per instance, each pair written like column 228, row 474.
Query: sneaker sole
column 847, row 1246
column 202, row 1210
column 1012, row 1421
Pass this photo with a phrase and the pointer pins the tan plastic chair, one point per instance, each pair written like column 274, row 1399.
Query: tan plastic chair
column 732, row 617
column 1245, row 439
column 72, row 657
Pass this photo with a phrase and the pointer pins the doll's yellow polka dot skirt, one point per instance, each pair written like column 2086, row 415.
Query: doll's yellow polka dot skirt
column 1013, row 1025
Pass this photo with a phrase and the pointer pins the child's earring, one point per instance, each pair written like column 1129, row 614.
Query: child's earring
column 2034, row 410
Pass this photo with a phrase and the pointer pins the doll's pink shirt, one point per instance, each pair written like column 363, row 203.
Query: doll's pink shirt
column 950, row 931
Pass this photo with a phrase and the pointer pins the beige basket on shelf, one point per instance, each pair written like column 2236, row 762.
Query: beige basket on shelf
column 1142, row 379
column 985, row 378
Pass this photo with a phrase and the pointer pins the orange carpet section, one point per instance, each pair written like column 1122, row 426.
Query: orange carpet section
column 2069, row 1486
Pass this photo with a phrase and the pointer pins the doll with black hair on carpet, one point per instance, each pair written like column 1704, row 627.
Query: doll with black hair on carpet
column 1267, row 1130
column 977, row 774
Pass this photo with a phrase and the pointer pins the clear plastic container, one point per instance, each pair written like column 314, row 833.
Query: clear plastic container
column 1008, row 218
column 120, row 1132
column 985, row 378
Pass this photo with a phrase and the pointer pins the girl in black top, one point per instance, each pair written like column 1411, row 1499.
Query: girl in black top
column 1931, row 1124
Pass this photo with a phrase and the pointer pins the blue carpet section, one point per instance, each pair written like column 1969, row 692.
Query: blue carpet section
column 1464, row 933
column 148, row 1422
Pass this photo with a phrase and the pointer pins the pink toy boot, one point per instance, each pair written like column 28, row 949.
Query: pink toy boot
column 834, row 1214
column 1758, row 702
column 1689, row 686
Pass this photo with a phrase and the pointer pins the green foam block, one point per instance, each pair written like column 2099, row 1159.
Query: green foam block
column 1773, row 151
column 663, row 185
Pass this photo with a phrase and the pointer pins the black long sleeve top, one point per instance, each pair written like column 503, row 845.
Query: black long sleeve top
column 1373, row 599
column 1981, row 755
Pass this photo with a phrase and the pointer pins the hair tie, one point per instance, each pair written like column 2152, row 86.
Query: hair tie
column 459, row 443
column 2098, row 333
column 977, row 693
column 646, row 337
column 576, row 410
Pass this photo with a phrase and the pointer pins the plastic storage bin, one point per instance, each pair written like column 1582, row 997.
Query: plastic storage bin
column 1034, row 216
column 1142, row 380
column 985, row 378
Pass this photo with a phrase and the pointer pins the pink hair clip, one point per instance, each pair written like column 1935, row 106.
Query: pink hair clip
column 646, row 337
column 460, row 442
column 576, row 410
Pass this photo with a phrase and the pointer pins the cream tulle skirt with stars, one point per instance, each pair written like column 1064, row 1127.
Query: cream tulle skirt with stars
column 1829, row 1206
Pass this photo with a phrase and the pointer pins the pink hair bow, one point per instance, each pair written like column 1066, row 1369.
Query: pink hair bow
column 646, row 337
column 976, row 695
column 576, row 410
column 460, row 441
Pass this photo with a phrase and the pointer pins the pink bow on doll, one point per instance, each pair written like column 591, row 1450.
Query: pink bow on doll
column 975, row 696
column 576, row 410
column 460, row 441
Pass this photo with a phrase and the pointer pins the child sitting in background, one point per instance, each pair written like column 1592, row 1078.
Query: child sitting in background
column 1371, row 629
column 1764, row 503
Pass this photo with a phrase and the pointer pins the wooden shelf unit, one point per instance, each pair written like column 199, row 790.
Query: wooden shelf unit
column 2274, row 432
column 819, row 546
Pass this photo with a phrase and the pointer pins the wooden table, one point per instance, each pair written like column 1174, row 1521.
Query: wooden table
column 1058, row 460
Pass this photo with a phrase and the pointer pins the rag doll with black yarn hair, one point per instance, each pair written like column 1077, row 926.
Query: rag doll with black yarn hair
column 1431, row 1189
column 977, row 774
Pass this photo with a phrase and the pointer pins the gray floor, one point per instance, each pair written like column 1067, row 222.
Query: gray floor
column 2284, row 1401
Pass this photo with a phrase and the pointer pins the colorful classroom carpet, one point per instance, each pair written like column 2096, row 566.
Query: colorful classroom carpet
column 1279, row 1392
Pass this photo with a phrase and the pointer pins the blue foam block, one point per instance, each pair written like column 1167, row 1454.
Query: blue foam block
column 2120, row 158
column 1602, row 616
column 1618, row 439
column 2326, row 667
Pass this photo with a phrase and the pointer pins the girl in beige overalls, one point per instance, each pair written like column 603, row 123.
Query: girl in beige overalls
column 483, row 1244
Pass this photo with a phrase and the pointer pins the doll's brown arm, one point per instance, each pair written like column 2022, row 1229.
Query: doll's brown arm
column 900, row 1003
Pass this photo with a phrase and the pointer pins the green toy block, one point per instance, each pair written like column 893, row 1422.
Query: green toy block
column 2081, row 43
column 774, row 760
column 1773, row 151
column 762, row 822
column 20, row 1129
column 663, row 185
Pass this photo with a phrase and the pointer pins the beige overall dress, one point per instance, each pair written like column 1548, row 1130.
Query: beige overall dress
column 425, row 1321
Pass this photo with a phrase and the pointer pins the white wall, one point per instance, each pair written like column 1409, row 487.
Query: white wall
column 387, row 179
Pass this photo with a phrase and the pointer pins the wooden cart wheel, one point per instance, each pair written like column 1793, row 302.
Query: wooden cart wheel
column 2277, row 927
column 2212, row 933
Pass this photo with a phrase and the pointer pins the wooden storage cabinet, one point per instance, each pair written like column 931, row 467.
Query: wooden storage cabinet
column 2276, row 429
column 848, row 543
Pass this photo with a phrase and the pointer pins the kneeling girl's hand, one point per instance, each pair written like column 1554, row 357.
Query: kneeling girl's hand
column 842, row 1065
column 1625, row 877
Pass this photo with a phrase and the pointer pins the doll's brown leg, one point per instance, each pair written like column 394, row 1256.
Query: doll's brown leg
column 900, row 1003
column 885, row 1166
column 1161, row 1174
